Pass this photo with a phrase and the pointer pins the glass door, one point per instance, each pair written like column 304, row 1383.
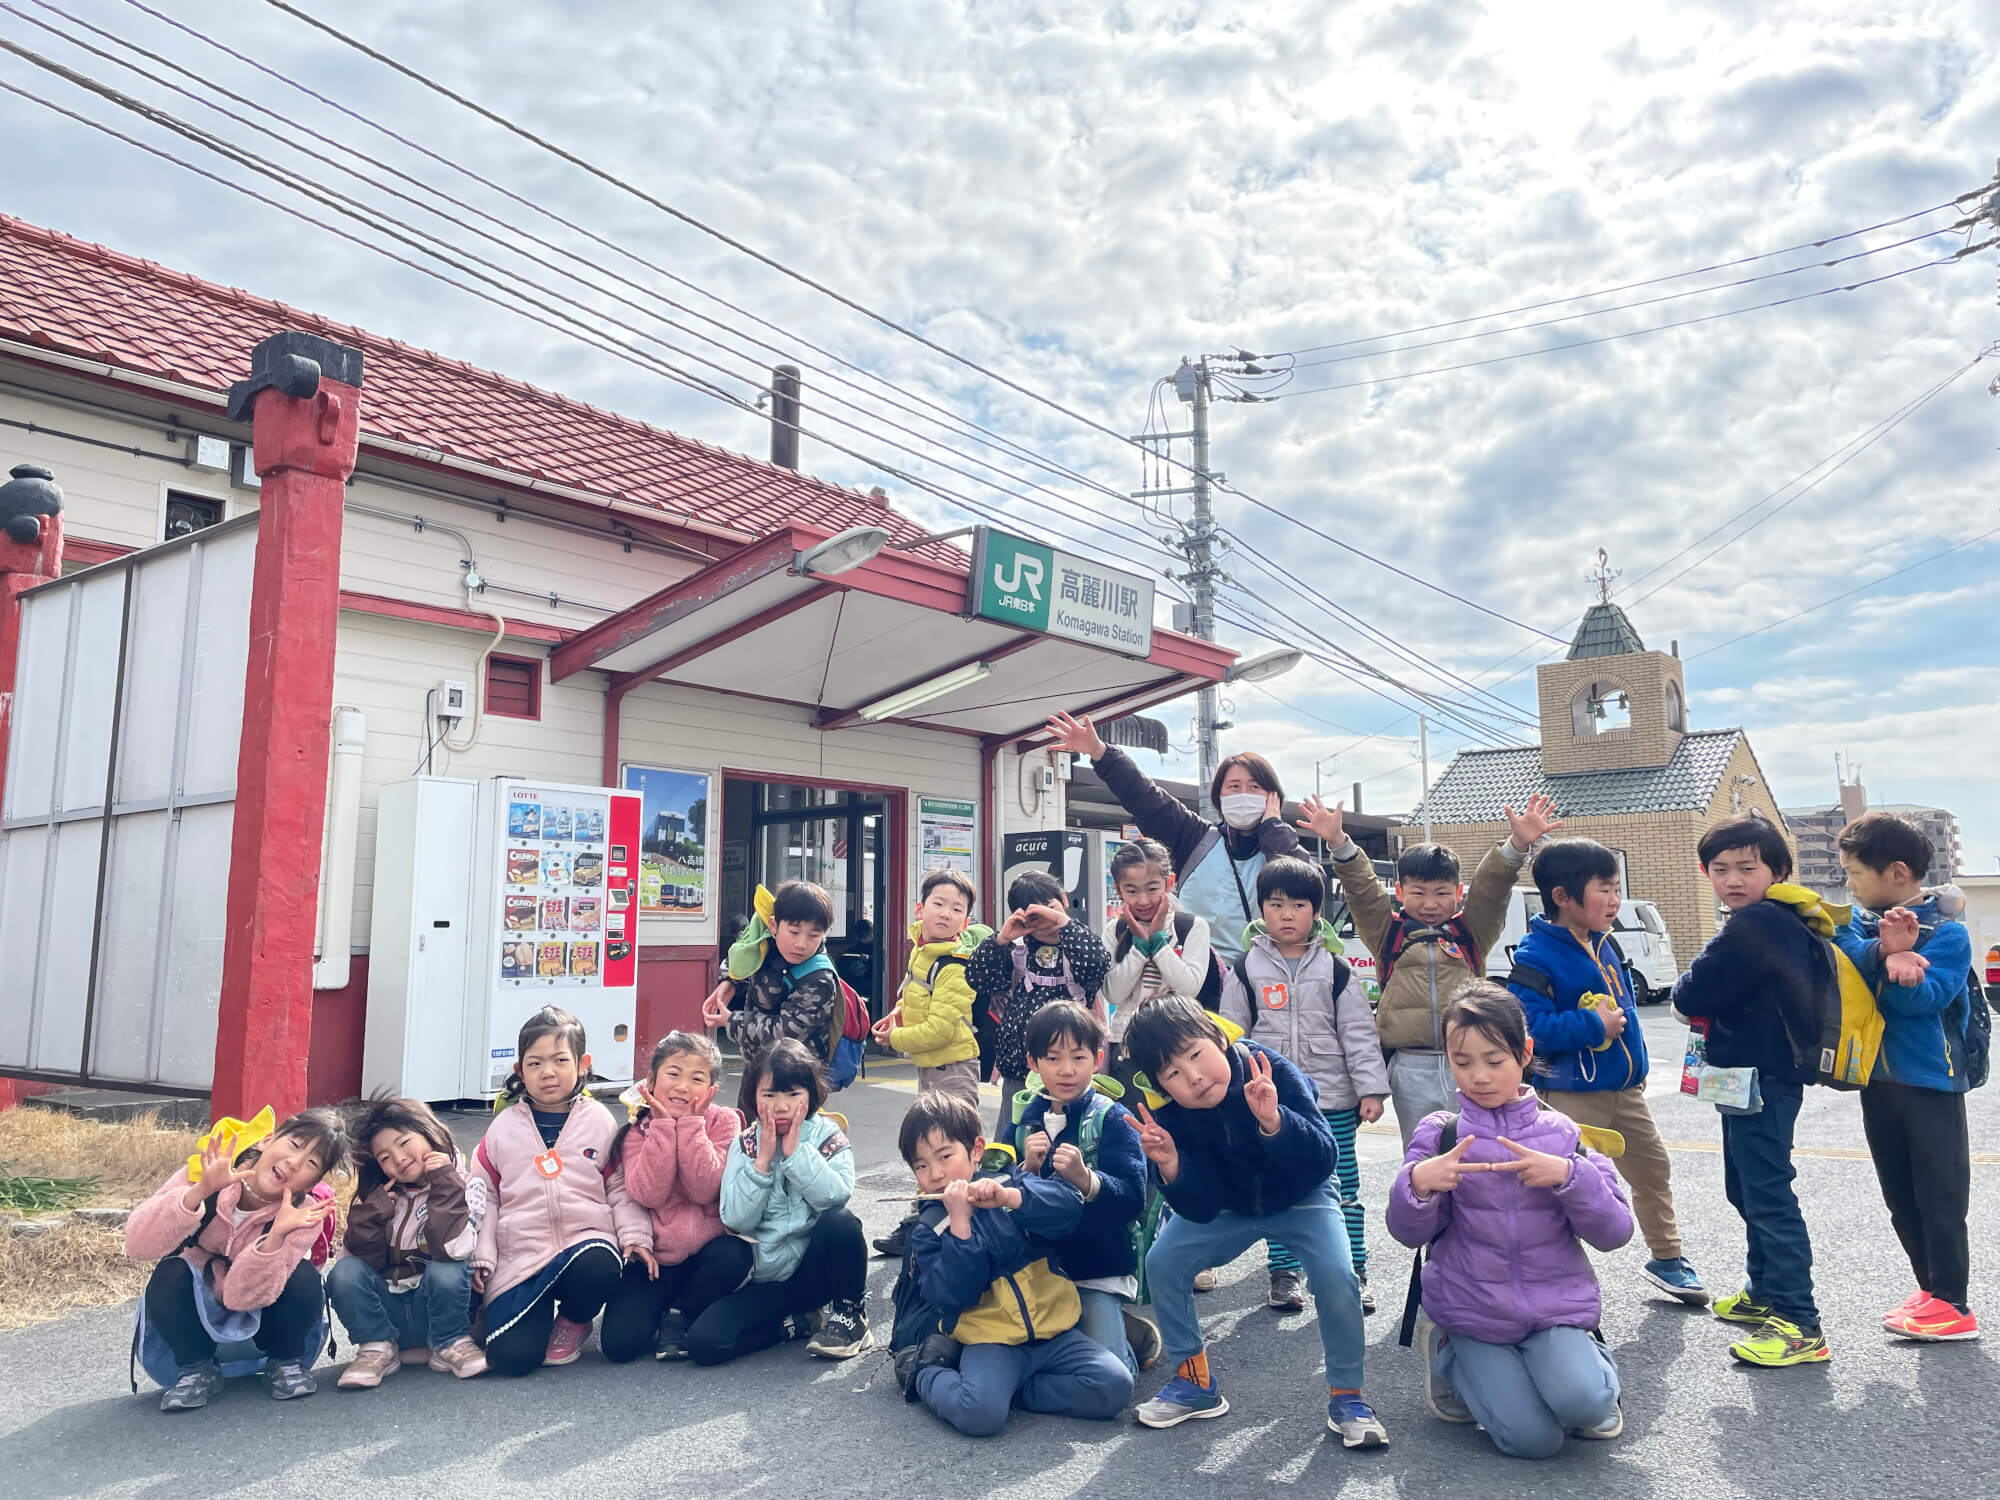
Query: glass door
column 835, row 839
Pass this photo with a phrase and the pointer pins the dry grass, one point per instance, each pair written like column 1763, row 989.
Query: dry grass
column 128, row 1160
column 77, row 1265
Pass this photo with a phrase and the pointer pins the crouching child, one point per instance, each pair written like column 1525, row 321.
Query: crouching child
column 983, row 1322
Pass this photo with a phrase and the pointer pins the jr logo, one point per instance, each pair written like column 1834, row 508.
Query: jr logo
column 1026, row 576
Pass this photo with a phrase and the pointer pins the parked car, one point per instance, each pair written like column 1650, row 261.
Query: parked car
column 1639, row 933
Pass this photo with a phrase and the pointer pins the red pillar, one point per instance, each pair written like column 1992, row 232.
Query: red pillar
column 304, row 395
column 31, row 547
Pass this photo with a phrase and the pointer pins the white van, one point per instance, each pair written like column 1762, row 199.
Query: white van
column 1638, row 931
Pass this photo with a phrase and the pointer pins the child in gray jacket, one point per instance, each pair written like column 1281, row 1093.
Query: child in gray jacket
column 1289, row 992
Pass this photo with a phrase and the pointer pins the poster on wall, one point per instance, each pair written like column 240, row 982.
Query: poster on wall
column 947, row 834
column 673, row 840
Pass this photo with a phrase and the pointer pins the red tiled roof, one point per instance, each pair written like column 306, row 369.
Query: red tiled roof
column 67, row 295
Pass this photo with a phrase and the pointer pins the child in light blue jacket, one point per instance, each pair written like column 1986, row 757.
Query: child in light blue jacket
column 785, row 1187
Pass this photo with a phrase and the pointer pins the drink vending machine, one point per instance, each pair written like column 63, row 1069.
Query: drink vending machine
column 493, row 899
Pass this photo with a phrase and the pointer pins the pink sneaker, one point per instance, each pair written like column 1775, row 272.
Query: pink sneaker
column 566, row 1342
column 462, row 1358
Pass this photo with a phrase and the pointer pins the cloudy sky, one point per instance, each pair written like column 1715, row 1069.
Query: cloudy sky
column 1076, row 195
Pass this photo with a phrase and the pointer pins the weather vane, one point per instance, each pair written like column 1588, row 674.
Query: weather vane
column 1604, row 575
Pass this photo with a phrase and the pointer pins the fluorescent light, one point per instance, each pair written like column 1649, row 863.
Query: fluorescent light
column 897, row 704
column 843, row 552
column 1264, row 667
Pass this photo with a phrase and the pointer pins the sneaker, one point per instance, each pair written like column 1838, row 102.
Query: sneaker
column 1367, row 1298
column 1288, row 1291
column 1910, row 1303
column 1611, row 1427
column 938, row 1352
column 1143, row 1335
column 461, row 1357
column 1440, row 1398
column 372, row 1361
column 1778, row 1343
column 671, row 1341
column 1180, row 1399
column 289, row 1379
column 1741, row 1307
column 896, row 1243
column 795, row 1326
column 566, row 1342
column 1677, row 1279
column 843, row 1331
column 1934, row 1321
column 1356, row 1422
column 1204, row 1281
column 190, row 1392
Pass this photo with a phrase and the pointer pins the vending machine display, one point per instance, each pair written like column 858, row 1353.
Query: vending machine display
column 552, row 919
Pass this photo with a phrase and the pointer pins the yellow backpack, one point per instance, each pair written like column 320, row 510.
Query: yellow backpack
column 1850, row 1022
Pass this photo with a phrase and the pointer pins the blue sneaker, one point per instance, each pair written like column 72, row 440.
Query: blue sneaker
column 1356, row 1422
column 1677, row 1279
column 1180, row 1399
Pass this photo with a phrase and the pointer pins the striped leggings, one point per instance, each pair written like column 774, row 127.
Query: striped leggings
column 1343, row 1123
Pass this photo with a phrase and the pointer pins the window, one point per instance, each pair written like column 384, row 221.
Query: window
column 1676, row 709
column 187, row 514
column 1598, row 708
column 514, row 687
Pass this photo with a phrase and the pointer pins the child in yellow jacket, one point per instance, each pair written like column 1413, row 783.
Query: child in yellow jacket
column 931, row 1023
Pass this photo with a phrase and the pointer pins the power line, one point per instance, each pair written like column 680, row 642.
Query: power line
column 1633, row 286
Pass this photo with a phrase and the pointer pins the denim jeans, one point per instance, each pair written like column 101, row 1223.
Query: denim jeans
column 1103, row 1321
column 1529, row 1395
column 1069, row 1375
column 1312, row 1229
column 1757, row 1175
column 436, row 1312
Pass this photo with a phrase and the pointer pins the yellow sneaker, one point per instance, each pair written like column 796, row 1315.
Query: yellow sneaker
column 1741, row 1307
column 1778, row 1343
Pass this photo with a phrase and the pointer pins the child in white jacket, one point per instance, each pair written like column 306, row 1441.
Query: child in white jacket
column 1156, row 949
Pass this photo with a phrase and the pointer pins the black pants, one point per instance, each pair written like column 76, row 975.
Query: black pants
column 835, row 1269
column 632, row 1316
column 281, row 1333
column 1923, row 1159
column 580, row 1292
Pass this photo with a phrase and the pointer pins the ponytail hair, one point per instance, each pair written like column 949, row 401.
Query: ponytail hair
column 550, row 1020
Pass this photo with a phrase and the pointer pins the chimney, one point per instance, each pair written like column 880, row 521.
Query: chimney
column 1355, row 804
column 785, row 416
column 1675, row 647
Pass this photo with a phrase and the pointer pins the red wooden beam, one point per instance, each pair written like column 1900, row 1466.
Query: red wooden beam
column 1131, row 701
column 830, row 718
column 454, row 619
column 723, row 638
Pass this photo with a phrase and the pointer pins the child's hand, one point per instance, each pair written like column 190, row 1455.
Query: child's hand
column 1442, row 1174
column 1261, row 1094
column 1614, row 1022
column 1076, row 735
column 294, row 1216
column 1013, row 929
column 1048, row 919
column 645, row 1258
column 1898, row 931
column 1370, row 1111
column 1905, row 969
column 788, row 1137
column 435, row 1161
column 1158, row 1146
column 958, row 1208
column 1324, row 821
column 991, row 1192
column 1069, row 1166
column 1533, row 822
column 1537, row 1169
column 1035, row 1152
column 216, row 1171
column 479, row 1275
column 652, row 1105
column 881, row 1029
column 767, row 1139
column 715, row 1009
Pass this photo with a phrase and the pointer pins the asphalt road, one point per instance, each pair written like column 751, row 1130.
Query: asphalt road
column 1883, row 1417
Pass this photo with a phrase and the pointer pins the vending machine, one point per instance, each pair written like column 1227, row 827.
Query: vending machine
column 1075, row 856
column 493, row 899
column 555, row 921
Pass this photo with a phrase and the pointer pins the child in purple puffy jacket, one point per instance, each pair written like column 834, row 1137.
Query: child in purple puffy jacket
column 1511, row 1304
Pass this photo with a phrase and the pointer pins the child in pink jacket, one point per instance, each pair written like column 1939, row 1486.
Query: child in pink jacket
column 233, row 1248
column 672, row 1158
column 548, row 1252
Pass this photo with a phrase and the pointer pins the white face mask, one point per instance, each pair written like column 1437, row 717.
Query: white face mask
column 1243, row 810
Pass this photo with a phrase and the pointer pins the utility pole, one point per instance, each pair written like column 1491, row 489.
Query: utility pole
column 1202, row 571
column 1424, row 754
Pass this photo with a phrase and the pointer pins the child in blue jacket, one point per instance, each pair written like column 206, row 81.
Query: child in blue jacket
column 1595, row 1054
column 1241, row 1152
column 983, row 1321
column 1070, row 1131
column 1919, row 959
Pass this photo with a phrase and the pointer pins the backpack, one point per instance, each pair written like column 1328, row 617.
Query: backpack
column 1209, row 997
column 1402, row 932
column 1025, row 977
column 1413, row 1303
column 1978, row 1031
column 1342, row 972
column 845, row 1039
column 1848, row 1039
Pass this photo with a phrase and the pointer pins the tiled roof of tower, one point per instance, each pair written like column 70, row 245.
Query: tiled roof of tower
column 72, row 297
column 1478, row 784
column 1604, row 632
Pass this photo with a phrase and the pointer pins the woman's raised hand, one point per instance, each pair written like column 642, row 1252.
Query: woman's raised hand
column 1076, row 734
